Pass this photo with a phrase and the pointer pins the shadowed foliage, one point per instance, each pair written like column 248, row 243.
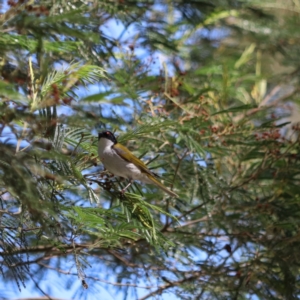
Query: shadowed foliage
column 205, row 93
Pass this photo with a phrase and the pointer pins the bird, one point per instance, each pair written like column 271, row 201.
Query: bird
column 118, row 160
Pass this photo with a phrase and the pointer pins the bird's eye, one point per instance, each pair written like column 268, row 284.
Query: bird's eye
column 107, row 132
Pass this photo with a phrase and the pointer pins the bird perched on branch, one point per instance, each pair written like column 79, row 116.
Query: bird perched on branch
column 118, row 160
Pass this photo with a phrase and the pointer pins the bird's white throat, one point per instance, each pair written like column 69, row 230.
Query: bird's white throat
column 104, row 145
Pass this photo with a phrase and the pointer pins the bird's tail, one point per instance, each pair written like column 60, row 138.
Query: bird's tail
column 161, row 186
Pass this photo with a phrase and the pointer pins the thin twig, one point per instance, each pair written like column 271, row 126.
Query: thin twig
column 93, row 278
column 8, row 29
column 77, row 145
column 170, row 284
column 21, row 137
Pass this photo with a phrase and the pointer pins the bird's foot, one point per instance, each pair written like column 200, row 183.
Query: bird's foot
column 122, row 193
column 125, row 188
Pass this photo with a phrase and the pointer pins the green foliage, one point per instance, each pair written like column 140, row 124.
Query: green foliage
column 218, row 120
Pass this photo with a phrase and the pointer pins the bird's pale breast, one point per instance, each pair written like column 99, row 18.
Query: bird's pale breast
column 118, row 166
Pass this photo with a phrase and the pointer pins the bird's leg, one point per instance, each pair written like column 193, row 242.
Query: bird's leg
column 126, row 187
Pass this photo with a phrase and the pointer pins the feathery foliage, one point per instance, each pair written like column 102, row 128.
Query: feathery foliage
column 206, row 93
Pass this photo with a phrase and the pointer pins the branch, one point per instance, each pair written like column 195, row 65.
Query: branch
column 42, row 249
column 171, row 284
column 165, row 228
column 93, row 278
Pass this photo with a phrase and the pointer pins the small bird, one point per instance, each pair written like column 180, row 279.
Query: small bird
column 118, row 160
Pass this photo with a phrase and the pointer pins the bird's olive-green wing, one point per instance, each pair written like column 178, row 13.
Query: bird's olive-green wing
column 128, row 156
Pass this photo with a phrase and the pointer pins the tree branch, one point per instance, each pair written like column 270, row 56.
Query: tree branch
column 171, row 284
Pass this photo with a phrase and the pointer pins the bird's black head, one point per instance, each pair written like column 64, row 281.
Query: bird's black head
column 107, row 135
